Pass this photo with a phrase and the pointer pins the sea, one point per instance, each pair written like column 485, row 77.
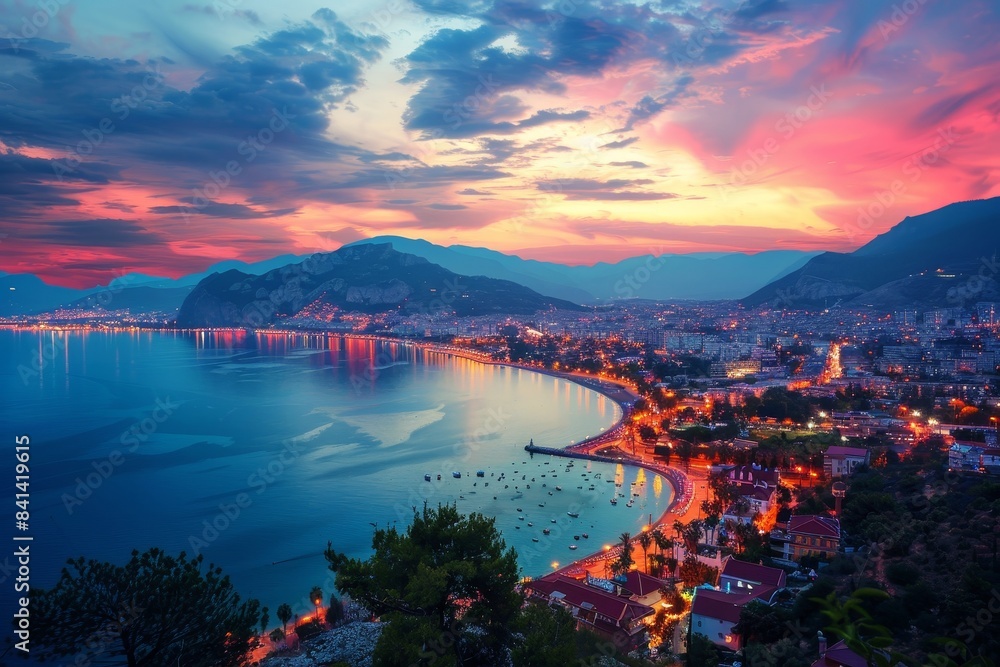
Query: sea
column 257, row 450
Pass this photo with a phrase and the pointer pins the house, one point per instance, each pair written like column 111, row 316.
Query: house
column 758, row 580
column 642, row 588
column 841, row 461
column 614, row 617
column 715, row 613
column 838, row 655
column 807, row 535
column 964, row 458
column 759, row 487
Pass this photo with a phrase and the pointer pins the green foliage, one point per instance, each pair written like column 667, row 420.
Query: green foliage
column 284, row 615
column 702, row 652
column 446, row 586
column 335, row 611
column 543, row 637
column 154, row 610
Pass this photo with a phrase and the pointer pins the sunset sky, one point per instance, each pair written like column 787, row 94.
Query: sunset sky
column 162, row 137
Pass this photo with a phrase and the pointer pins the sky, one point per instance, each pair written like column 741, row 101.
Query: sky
column 162, row 137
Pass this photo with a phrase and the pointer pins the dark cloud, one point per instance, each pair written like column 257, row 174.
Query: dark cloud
column 634, row 164
column 582, row 189
column 619, row 196
column 649, row 106
column 471, row 191
column 105, row 233
column 620, row 144
column 215, row 209
column 448, row 207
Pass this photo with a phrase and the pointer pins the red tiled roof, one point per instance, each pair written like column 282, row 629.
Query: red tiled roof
column 808, row 524
column 839, row 655
column 839, row 451
column 577, row 594
column 641, row 584
column 719, row 605
column 752, row 573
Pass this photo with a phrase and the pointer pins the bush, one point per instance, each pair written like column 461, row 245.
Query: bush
column 902, row 574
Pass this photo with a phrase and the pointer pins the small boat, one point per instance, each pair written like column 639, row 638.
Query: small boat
column 480, row 473
column 427, row 478
column 553, row 520
column 530, row 524
column 558, row 488
column 534, row 539
column 456, row 475
column 614, row 501
column 546, row 531
column 439, row 478
column 576, row 537
column 520, row 518
column 573, row 514
column 519, row 509
column 586, row 536
column 572, row 546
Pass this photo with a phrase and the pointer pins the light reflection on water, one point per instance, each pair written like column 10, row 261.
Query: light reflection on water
column 324, row 435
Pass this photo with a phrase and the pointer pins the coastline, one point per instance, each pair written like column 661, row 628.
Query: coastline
column 685, row 490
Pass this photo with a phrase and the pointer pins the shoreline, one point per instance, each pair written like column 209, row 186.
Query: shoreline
column 622, row 395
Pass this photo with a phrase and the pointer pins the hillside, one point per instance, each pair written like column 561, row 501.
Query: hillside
column 366, row 279
column 938, row 259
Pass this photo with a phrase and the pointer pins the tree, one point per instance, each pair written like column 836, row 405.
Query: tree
column 316, row 595
column 645, row 541
column 277, row 635
column 702, row 652
column 446, row 586
column 284, row 615
column 544, row 637
column 154, row 610
column 335, row 612
column 624, row 561
column 265, row 616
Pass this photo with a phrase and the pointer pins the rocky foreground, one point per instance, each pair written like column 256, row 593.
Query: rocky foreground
column 353, row 644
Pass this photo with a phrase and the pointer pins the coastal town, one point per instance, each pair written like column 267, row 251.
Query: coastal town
column 760, row 421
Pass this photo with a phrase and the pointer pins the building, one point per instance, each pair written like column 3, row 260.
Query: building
column 612, row 616
column 838, row 655
column 990, row 461
column 642, row 588
column 841, row 461
column 964, row 458
column 758, row 580
column 759, row 487
column 715, row 613
column 807, row 535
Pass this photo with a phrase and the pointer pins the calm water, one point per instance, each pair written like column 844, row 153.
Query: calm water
column 144, row 439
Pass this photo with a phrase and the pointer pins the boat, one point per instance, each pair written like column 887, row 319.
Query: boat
column 572, row 546
column 576, row 537
column 519, row 509
column 586, row 536
column 558, row 488
column 614, row 501
column 439, row 478
column 573, row 514
column 520, row 518
column 427, row 478
column 553, row 520
column 530, row 524
column 534, row 539
column 480, row 473
column 546, row 531
column 456, row 475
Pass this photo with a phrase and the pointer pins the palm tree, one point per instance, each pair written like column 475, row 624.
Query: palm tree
column 316, row 595
column 284, row 615
column 663, row 543
column 624, row 561
column 645, row 541
column 265, row 616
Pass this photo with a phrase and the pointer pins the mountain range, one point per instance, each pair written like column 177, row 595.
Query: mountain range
column 369, row 278
column 947, row 257
column 941, row 258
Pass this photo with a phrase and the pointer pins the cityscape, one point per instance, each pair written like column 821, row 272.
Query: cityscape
column 501, row 334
